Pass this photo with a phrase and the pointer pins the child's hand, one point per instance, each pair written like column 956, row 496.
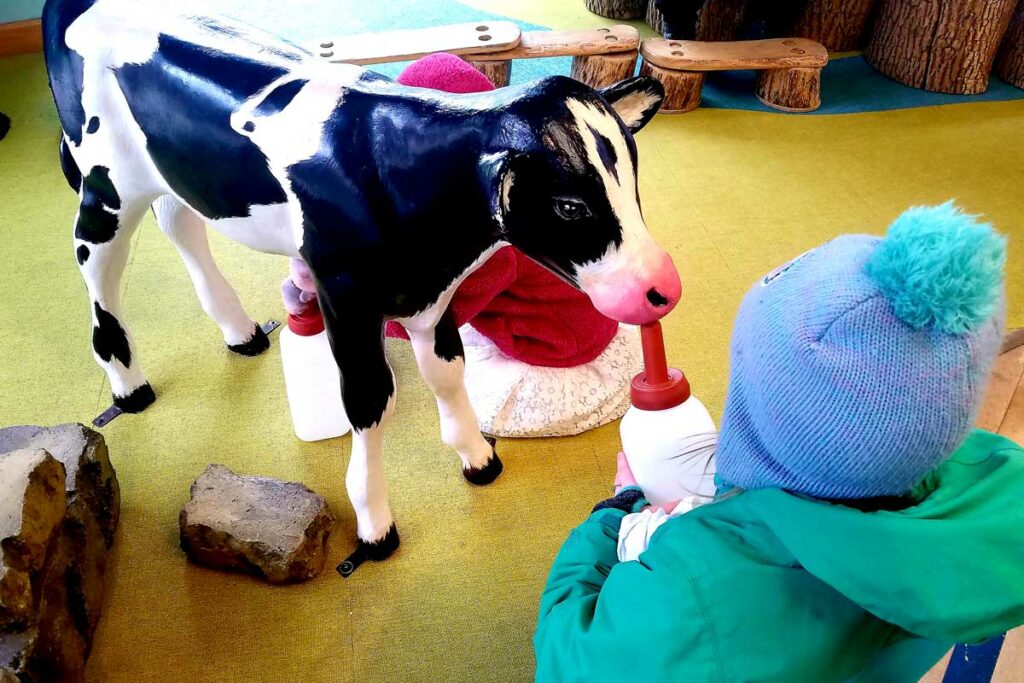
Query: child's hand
column 623, row 475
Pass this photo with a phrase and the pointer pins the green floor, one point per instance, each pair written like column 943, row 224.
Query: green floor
column 730, row 194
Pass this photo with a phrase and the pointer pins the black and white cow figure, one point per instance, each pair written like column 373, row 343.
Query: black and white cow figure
column 392, row 195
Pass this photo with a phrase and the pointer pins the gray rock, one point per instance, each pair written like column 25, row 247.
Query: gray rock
column 52, row 641
column 271, row 528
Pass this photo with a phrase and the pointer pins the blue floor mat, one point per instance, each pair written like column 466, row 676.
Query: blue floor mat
column 848, row 86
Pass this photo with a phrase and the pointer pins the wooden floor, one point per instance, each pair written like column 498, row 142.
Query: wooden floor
column 1002, row 412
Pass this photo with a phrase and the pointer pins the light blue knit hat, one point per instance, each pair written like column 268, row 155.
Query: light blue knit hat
column 858, row 367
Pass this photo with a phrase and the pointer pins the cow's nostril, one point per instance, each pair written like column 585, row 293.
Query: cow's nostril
column 656, row 298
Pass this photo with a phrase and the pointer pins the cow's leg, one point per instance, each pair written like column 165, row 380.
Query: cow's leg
column 368, row 392
column 442, row 363
column 103, row 228
column 218, row 298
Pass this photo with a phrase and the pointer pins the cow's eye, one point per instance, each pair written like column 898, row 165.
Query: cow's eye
column 570, row 209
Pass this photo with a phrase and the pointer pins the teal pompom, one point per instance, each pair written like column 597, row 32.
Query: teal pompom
column 938, row 266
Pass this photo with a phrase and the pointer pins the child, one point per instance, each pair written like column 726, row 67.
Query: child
column 861, row 526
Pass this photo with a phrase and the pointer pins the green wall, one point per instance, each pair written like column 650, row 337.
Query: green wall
column 16, row 10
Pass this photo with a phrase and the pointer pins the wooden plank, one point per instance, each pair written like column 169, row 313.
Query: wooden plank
column 598, row 41
column 774, row 53
column 1006, row 376
column 399, row 46
column 1013, row 339
column 937, row 672
column 1012, row 426
column 1010, row 667
column 21, row 37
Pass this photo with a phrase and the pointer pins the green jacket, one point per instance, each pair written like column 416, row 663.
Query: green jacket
column 769, row 586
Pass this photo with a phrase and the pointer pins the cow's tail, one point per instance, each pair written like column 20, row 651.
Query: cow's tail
column 57, row 16
column 64, row 66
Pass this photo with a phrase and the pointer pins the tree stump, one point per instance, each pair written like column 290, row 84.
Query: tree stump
column 497, row 71
column 790, row 89
column 600, row 71
column 721, row 20
column 617, row 9
column 682, row 88
column 940, row 45
column 839, row 25
column 1010, row 62
column 654, row 18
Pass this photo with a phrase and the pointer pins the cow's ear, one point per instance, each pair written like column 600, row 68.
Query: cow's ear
column 497, row 173
column 635, row 100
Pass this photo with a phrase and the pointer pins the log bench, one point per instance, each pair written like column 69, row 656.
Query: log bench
column 601, row 56
column 788, row 78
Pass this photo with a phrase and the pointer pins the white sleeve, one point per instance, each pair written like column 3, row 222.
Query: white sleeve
column 637, row 528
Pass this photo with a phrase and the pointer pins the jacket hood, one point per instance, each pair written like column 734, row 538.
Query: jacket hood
column 950, row 568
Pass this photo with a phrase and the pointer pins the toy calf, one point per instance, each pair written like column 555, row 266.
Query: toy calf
column 392, row 195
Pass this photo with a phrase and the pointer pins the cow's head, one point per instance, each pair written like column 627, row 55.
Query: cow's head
column 568, row 197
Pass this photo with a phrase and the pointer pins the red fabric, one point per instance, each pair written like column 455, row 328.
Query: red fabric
column 527, row 312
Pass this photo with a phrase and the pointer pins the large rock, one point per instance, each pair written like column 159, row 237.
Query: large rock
column 275, row 529
column 58, row 538
column 32, row 505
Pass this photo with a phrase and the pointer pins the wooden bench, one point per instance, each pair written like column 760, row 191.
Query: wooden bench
column 789, row 69
column 601, row 56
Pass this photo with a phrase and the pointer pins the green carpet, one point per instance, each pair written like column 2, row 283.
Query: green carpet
column 730, row 194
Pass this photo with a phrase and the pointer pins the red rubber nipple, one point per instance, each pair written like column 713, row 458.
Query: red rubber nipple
column 308, row 323
column 658, row 387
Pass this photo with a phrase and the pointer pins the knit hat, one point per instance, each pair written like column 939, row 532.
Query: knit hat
column 858, row 367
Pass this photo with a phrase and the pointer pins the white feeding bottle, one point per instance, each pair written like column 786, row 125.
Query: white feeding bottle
column 311, row 378
column 668, row 435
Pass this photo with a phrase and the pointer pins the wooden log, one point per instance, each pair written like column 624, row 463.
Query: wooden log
column 682, row 88
column 839, row 25
column 497, row 71
column 965, row 46
column 1010, row 61
column 600, row 71
column 939, row 45
column 790, row 89
column 617, row 9
column 721, row 20
column 654, row 18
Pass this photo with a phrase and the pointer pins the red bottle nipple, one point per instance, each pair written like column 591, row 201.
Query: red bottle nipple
column 658, row 387
column 308, row 323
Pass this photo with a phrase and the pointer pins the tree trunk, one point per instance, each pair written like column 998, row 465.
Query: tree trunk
column 654, row 18
column 965, row 45
column 682, row 88
column 617, row 9
column 939, row 45
column 1010, row 62
column 497, row 71
column 721, row 20
column 839, row 25
column 790, row 89
column 600, row 71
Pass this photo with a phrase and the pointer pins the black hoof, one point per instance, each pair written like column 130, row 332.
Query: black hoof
column 257, row 344
column 483, row 476
column 137, row 401
column 376, row 551
column 384, row 548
